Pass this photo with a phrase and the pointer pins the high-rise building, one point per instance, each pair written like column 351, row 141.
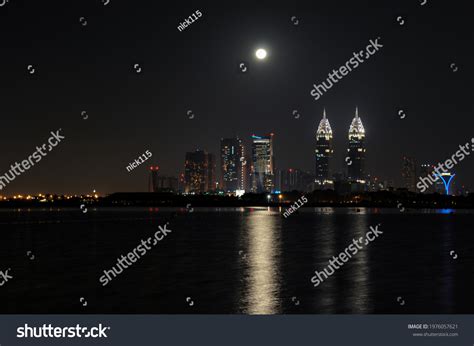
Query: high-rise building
column 355, row 159
column 263, row 163
column 409, row 173
column 232, row 165
column 153, row 178
column 181, row 183
column 199, row 172
column 248, row 171
column 211, row 172
column 324, row 153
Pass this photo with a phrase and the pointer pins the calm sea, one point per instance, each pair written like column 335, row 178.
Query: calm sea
column 237, row 261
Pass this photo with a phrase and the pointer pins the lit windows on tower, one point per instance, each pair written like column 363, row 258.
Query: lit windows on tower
column 232, row 164
column 323, row 152
column 356, row 151
column 263, row 163
column 199, row 172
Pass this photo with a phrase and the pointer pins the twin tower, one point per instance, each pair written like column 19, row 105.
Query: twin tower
column 354, row 158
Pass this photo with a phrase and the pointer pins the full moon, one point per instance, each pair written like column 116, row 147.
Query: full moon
column 261, row 53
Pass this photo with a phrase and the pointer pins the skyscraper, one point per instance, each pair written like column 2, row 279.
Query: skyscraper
column 263, row 163
column 153, row 179
column 248, row 170
column 323, row 153
column 211, row 172
column 409, row 173
column 355, row 159
column 232, row 164
column 199, row 172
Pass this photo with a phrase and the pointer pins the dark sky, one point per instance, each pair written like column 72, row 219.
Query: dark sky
column 90, row 68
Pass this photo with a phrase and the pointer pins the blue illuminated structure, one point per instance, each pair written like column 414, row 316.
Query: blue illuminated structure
column 448, row 183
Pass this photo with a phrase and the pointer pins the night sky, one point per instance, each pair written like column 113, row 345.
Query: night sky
column 91, row 68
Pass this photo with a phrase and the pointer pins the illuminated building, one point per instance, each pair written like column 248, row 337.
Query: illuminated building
column 232, row 165
column 409, row 173
column 355, row 159
column 199, row 172
column 263, row 163
column 211, row 172
column 324, row 153
column 248, row 171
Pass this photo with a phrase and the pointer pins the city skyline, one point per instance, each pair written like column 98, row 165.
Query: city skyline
column 240, row 173
column 117, row 91
column 260, row 174
column 235, row 169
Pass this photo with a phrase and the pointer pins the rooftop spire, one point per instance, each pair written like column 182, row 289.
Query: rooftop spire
column 324, row 129
column 356, row 130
